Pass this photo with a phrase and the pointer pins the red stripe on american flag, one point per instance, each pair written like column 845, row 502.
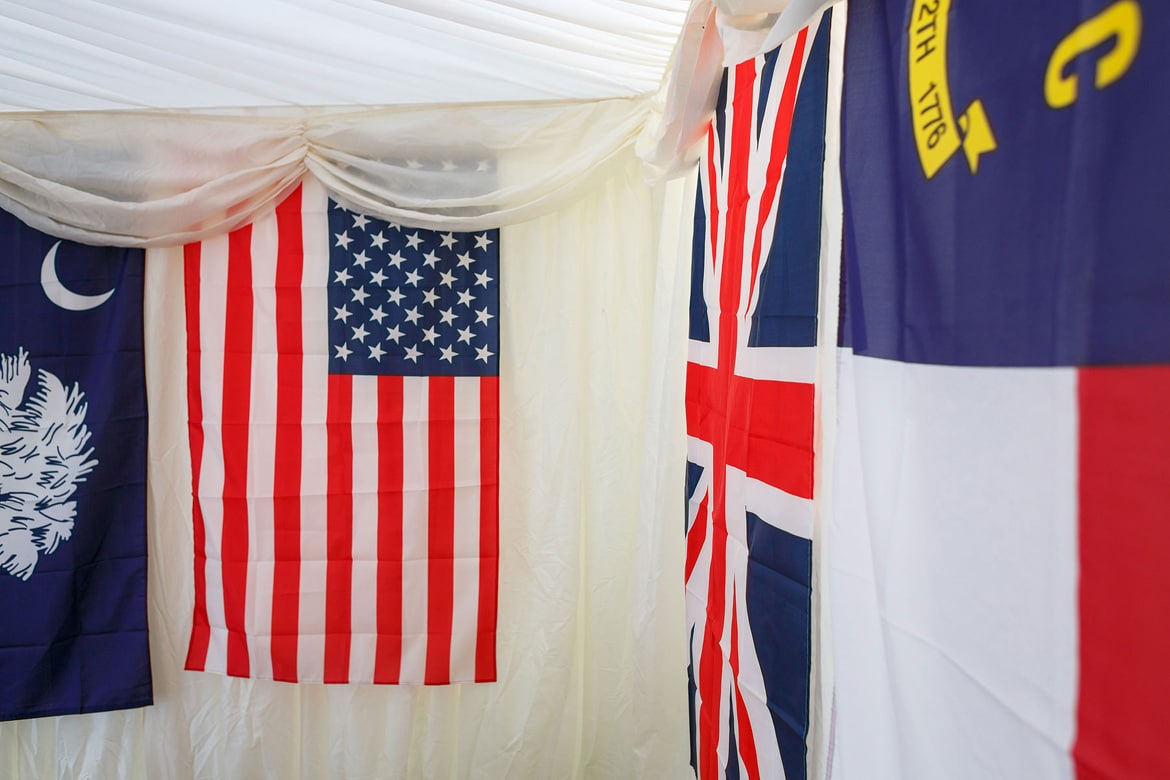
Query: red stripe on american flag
column 489, row 535
column 237, row 404
column 388, row 657
column 1124, row 579
column 440, row 528
column 200, row 627
column 286, row 491
column 339, row 570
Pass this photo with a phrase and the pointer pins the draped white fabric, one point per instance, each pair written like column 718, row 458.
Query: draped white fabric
column 716, row 34
column 592, row 679
column 162, row 178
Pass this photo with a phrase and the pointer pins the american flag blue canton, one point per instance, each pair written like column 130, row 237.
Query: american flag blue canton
column 411, row 302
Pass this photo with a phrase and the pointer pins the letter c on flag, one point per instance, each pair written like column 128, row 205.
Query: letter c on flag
column 1122, row 22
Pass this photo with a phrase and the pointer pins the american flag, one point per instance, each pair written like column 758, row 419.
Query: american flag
column 343, row 396
column 750, row 413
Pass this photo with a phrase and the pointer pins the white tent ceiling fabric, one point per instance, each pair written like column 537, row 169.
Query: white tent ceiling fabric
column 65, row 55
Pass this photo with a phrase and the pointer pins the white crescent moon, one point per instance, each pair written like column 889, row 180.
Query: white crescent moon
column 62, row 295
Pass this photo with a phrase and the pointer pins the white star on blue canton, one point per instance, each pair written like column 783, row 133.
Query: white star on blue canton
column 343, row 239
column 361, row 258
column 343, row 352
column 342, row 313
column 412, row 354
column 360, row 333
column 394, row 334
column 397, row 259
column 448, row 240
column 396, row 296
column 429, row 297
column 449, row 354
column 465, row 335
column 483, row 353
column 378, row 240
column 483, row 315
column 377, row 315
column 465, row 297
column 465, row 260
column 429, row 335
column 482, row 242
column 447, row 278
column 342, row 276
column 376, row 352
column 447, row 315
column 359, row 221
column 482, row 279
column 413, row 278
column 412, row 315
column 360, row 295
column 377, row 277
column 413, row 241
column 430, row 259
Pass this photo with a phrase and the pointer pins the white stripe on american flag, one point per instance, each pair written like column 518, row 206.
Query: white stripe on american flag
column 465, row 607
column 213, row 283
column 365, row 529
column 262, row 453
column 415, row 435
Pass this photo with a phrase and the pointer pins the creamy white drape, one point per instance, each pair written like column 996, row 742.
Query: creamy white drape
column 592, row 658
column 715, row 34
column 162, row 178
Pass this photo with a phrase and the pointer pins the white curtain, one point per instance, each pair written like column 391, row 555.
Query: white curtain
column 592, row 665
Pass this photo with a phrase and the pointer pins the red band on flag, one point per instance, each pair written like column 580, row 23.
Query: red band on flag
column 200, row 628
column 440, row 527
column 237, row 404
column 489, row 541
column 339, row 571
column 388, row 658
column 1125, row 580
column 286, row 488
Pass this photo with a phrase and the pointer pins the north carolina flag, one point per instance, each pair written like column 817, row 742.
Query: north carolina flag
column 72, row 477
column 999, row 547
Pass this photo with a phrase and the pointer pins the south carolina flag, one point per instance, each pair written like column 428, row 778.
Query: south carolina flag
column 1001, row 531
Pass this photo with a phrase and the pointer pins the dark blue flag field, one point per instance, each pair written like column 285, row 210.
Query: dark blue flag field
column 72, row 477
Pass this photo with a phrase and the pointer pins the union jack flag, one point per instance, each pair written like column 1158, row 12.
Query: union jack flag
column 750, row 413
